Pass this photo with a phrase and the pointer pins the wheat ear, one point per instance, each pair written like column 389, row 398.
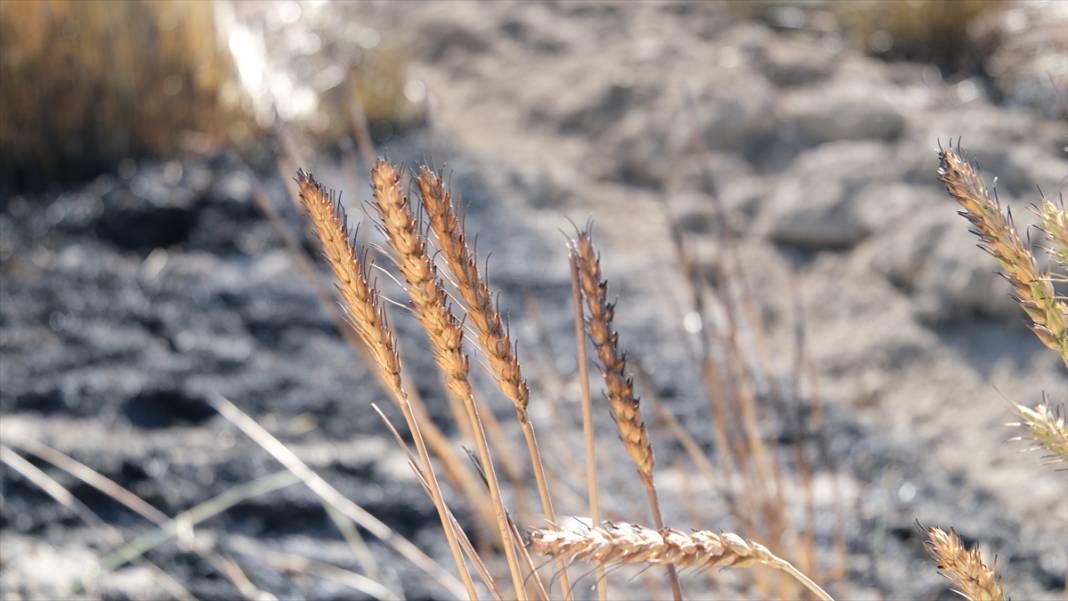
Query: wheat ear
column 484, row 314
column 1055, row 225
column 431, row 307
column 368, row 319
column 619, row 387
column 620, row 543
column 1046, row 428
column 963, row 567
column 997, row 235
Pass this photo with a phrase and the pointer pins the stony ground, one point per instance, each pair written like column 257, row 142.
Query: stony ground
column 127, row 301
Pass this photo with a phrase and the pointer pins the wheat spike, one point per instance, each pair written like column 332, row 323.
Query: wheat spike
column 1046, row 428
column 484, row 314
column 368, row 317
column 621, row 543
column 1032, row 289
column 431, row 307
column 963, row 567
column 619, row 386
column 1055, row 225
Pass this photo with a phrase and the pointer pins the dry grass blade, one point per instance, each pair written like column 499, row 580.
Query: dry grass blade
column 113, row 489
column 1032, row 289
column 351, row 510
column 64, row 497
column 472, row 555
column 620, row 543
column 587, row 411
column 485, row 316
column 1046, row 427
column 619, row 387
column 431, row 306
column 368, row 318
column 963, row 567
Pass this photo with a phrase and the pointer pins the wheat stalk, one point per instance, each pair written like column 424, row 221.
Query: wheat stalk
column 621, row 543
column 368, row 318
column 484, row 314
column 619, row 386
column 431, row 307
column 963, row 567
column 997, row 235
column 1046, row 428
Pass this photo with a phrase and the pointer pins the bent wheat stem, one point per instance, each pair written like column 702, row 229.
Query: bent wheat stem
column 621, row 543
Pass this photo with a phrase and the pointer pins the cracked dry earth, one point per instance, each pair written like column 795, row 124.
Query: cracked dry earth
column 128, row 299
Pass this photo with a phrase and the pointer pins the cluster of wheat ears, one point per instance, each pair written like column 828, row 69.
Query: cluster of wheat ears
column 451, row 299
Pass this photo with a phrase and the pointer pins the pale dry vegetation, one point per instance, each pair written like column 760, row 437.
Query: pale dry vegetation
column 752, row 479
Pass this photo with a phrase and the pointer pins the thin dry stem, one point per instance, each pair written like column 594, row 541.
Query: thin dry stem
column 1032, row 289
column 587, row 413
column 431, row 307
column 368, row 318
column 492, row 332
column 620, row 543
column 963, row 567
column 619, row 386
column 64, row 497
column 325, row 491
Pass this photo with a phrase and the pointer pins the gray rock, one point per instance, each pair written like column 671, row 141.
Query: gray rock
column 842, row 109
column 835, row 196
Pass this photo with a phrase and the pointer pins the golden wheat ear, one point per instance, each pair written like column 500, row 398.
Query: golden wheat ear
column 431, row 307
column 492, row 331
column 1032, row 289
column 619, row 543
column 362, row 303
column 963, row 567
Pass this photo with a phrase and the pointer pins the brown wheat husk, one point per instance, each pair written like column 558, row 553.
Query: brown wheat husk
column 964, row 567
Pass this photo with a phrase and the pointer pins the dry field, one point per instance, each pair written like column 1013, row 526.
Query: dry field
column 532, row 301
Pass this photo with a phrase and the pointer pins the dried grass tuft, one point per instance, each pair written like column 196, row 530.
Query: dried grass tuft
column 963, row 567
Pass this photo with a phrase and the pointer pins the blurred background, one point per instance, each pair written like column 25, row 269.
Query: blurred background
column 152, row 255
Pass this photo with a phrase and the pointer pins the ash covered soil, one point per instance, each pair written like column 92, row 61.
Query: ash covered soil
column 127, row 301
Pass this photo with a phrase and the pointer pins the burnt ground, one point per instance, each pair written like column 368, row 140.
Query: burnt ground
column 129, row 300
